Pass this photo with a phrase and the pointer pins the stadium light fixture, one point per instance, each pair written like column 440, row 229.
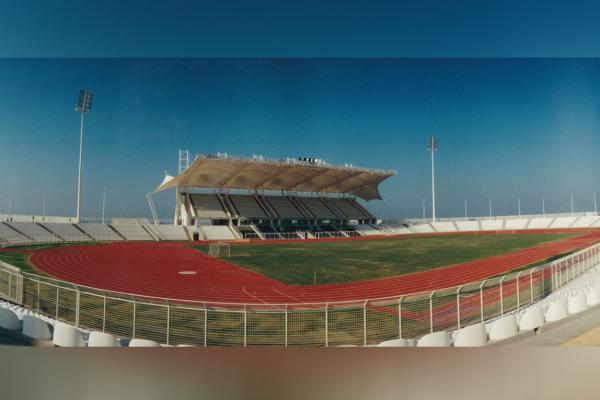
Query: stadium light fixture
column 490, row 198
column 432, row 146
column 519, row 204
column 84, row 105
column 466, row 209
column 595, row 204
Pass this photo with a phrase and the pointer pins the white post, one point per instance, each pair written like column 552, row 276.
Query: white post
column 286, row 325
column 205, row 325
column 168, row 320
column 103, row 202
column 466, row 209
column 400, row 317
column 134, row 311
column 44, row 204
column 10, row 187
column 326, row 325
column 595, row 204
column 572, row 205
column 458, row 307
column 245, row 325
column 531, row 284
column 502, row 296
column 490, row 206
column 518, row 291
column 519, row 204
column 543, row 205
column 481, row 299
column 431, row 311
column 365, row 323
column 104, row 312
column 423, row 217
column 432, row 185
column 80, row 169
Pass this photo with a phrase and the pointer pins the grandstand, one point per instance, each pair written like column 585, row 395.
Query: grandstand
column 272, row 198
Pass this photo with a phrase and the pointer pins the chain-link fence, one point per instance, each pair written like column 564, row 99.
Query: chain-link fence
column 362, row 322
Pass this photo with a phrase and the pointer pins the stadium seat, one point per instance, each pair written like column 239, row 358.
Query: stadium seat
column 576, row 304
column 592, row 297
column 532, row 319
column 504, row 328
column 436, row 339
column 36, row 328
column 101, row 339
column 471, row 336
column 143, row 343
column 9, row 320
column 394, row 343
column 557, row 311
column 67, row 336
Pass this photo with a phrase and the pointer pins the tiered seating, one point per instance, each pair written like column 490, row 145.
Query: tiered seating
column 491, row 224
column 67, row 232
column 444, row 226
column 217, row 232
column 563, row 222
column 467, row 226
column 347, row 207
column 101, row 232
column 247, row 206
column 423, row 228
column 368, row 230
column 585, row 222
column 540, row 223
column 169, row 232
column 317, row 208
column 284, row 207
column 132, row 232
column 36, row 232
column 208, row 206
column 517, row 223
column 12, row 237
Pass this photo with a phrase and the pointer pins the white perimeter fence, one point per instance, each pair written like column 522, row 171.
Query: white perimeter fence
column 362, row 322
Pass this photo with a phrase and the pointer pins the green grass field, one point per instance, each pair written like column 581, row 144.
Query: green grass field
column 353, row 261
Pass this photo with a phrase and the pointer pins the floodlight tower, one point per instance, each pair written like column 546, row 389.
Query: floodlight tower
column 432, row 145
column 84, row 105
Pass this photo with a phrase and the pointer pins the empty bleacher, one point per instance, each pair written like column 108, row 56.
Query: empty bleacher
column 247, row 206
column 67, row 232
column 35, row 232
column 217, row 232
column 585, row 222
column 284, row 207
column 132, row 232
column 467, row 226
column 516, row 223
column 100, row 232
column 563, row 222
column 317, row 208
column 168, row 232
column 349, row 208
column 207, row 206
column 12, row 237
column 540, row 223
column 491, row 224
column 443, row 226
column 368, row 230
column 422, row 228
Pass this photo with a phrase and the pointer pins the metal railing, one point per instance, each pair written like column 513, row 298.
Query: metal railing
column 355, row 322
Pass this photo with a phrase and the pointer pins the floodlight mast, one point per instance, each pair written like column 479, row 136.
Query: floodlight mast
column 432, row 145
column 84, row 105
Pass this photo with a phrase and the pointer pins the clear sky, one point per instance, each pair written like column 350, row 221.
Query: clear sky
column 506, row 127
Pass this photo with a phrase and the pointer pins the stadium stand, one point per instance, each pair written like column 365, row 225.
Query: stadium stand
column 444, row 226
column 35, row 232
column 317, row 208
column 368, row 230
column 217, row 232
column 516, row 223
column 67, row 232
column 168, row 232
column 99, row 232
column 563, row 222
column 540, row 223
column 284, row 207
column 467, row 226
column 247, row 206
column 132, row 232
column 491, row 224
column 12, row 237
column 422, row 228
column 585, row 222
column 207, row 206
column 350, row 209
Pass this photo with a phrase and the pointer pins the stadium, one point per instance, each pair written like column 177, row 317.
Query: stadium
column 283, row 253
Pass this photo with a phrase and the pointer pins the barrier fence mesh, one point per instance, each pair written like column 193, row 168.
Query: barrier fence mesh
column 358, row 323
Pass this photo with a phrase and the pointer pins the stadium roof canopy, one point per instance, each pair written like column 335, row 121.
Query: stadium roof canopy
column 222, row 172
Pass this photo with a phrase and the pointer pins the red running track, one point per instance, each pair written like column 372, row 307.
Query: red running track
column 152, row 269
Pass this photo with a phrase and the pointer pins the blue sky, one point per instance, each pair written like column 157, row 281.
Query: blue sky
column 506, row 127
